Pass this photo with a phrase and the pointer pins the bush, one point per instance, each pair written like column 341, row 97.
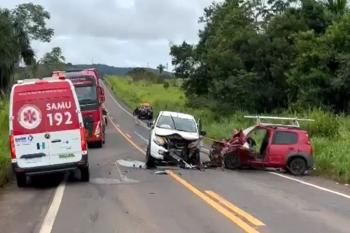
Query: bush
column 4, row 146
column 173, row 82
column 332, row 157
column 195, row 101
column 326, row 124
column 166, row 85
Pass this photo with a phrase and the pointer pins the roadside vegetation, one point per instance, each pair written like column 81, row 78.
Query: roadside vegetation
column 330, row 134
column 4, row 146
column 18, row 27
column 265, row 57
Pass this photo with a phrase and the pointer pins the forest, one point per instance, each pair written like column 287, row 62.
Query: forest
column 267, row 56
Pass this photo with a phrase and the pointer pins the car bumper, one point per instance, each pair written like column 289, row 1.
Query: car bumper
column 158, row 152
column 51, row 168
column 94, row 138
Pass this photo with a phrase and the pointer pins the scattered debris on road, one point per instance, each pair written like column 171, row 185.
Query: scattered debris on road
column 131, row 163
column 160, row 173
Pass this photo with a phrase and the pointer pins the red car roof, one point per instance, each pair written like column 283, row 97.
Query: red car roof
column 287, row 128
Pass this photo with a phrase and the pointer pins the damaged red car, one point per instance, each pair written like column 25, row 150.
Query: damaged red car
column 267, row 145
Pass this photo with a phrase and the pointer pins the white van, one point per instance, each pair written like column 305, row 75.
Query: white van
column 46, row 129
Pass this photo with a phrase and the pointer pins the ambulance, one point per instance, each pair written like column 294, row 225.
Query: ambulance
column 46, row 129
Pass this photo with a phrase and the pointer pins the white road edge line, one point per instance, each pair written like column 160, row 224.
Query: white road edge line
column 49, row 220
column 311, row 185
column 140, row 136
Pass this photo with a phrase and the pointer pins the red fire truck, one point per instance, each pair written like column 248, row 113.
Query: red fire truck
column 91, row 98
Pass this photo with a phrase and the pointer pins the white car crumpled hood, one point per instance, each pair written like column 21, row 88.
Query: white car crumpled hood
column 185, row 135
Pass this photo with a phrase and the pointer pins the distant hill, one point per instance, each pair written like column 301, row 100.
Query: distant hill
column 110, row 70
column 104, row 69
column 45, row 71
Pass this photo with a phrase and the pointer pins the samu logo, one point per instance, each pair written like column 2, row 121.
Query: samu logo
column 29, row 116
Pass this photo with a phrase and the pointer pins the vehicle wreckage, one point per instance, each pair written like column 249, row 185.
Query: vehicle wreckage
column 143, row 112
column 175, row 139
column 265, row 145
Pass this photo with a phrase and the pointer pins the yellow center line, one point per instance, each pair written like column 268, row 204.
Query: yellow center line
column 126, row 137
column 239, row 222
column 235, row 209
column 218, row 207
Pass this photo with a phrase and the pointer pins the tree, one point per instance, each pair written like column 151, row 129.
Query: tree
column 337, row 7
column 9, row 50
column 182, row 59
column 160, row 68
column 320, row 76
column 53, row 60
column 265, row 57
column 25, row 22
column 30, row 20
column 53, row 57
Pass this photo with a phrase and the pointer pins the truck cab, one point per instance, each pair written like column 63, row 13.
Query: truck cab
column 91, row 98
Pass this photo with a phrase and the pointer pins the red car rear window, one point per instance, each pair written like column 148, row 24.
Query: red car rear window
column 45, row 107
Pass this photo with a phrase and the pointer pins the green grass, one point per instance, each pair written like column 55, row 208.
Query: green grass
column 330, row 135
column 4, row 147
column 132, row 95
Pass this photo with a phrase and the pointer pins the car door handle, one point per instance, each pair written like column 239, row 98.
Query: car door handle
column 57, row 140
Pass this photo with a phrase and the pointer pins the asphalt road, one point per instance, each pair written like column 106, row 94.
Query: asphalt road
column 126, row 199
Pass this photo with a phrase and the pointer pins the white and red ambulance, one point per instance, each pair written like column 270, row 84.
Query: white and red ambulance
column 46, row 129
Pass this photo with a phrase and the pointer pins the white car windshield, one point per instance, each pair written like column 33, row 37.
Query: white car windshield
column 177, row 123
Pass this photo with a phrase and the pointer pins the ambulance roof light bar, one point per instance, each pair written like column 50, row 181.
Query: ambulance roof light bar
column 295, row 121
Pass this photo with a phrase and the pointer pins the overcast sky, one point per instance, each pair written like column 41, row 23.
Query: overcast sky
column 119, row 32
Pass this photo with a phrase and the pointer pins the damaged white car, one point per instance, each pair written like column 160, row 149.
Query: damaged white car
column 175, row 139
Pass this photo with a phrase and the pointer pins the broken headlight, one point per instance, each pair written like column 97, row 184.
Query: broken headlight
column 160, row 141
column 194, row 144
